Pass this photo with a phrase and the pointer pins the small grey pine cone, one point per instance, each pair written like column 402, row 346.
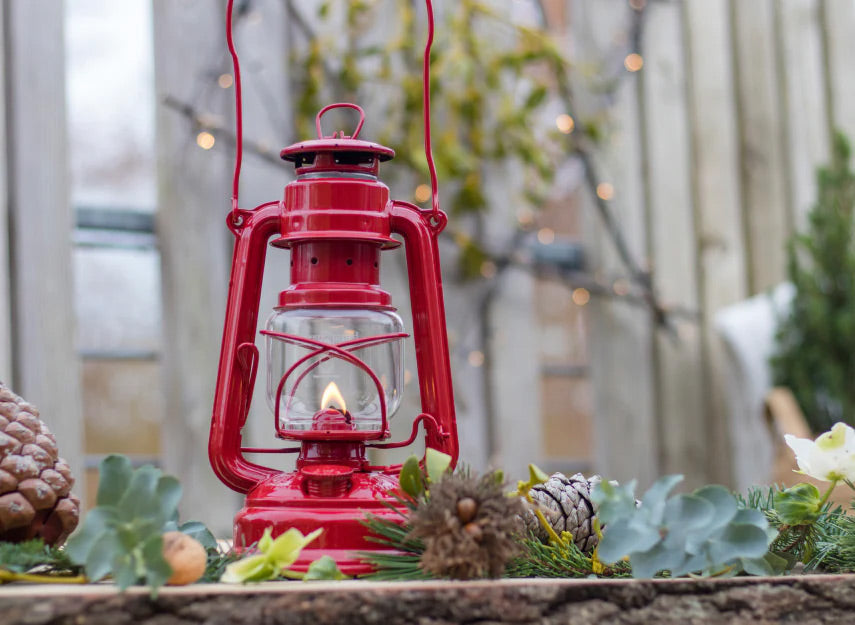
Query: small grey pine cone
column 566, row 504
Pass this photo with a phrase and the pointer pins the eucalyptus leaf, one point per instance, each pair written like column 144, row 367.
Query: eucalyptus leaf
column 722, row 500
column 198, row 531
column 99, row 558
column 653, row 501
column 689, row 511
column 157, row 569
column 94, row 526
column 138, row 500
column 168, row 491
column 747, row 541
column 114, row 475
column 125, row 570
column 621, row 539
column 647, row 563
column 614, row 502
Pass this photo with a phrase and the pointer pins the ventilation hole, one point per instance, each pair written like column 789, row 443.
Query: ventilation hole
column 314, row 260
column 292, row 263
column 375, row 264
column 349, row 261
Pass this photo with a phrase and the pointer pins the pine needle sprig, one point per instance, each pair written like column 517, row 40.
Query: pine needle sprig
column 34, row 561
column 834, row 550
column 565, row 560
column 402, row 561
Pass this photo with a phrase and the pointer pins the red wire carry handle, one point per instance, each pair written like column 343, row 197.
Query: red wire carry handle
column 339, row 105
column 236, row 218
column 426, row 109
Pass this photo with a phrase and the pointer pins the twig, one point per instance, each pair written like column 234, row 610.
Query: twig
column 203, row 122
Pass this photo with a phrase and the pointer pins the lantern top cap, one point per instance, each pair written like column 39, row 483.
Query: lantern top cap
column 338, row 141
column 296, row 151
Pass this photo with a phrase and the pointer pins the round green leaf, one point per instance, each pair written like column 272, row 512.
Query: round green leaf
column 738, row 541
column 99, row 560
column 114, row 475
column 722, row 500
column 621, row 539
column 94, row 525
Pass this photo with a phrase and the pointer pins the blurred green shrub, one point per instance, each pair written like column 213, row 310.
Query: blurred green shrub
column 815, row 355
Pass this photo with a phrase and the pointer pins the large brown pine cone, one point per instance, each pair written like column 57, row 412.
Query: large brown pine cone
column 35, row 483
column 566, row 504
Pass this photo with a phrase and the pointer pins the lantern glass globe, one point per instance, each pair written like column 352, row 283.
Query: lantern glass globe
column 325, row 382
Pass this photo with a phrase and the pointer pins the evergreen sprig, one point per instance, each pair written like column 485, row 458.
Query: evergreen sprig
column 560, row 560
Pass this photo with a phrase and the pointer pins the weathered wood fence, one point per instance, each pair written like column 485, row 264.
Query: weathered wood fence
column 711, row 150
column 712, row 154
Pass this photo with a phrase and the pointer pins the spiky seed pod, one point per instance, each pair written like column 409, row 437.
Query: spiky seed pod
column 35, row 483
column 566, row 504
column 468, row 526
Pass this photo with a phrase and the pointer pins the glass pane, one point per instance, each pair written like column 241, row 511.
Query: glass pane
column 110, row 90
column 117, row 301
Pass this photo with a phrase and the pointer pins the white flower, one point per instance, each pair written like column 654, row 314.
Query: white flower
column 830, row 457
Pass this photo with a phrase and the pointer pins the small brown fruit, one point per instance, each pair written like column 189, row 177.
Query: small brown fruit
column 467, row 508
column 186, row 556
column 475, row 531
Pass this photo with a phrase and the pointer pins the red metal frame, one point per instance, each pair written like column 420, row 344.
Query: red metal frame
column 335, row 218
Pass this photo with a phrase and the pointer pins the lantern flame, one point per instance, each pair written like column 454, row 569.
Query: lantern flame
column 332, row 398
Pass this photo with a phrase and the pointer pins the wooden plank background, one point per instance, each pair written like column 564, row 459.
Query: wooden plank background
column 45, row 364
column 733, row 112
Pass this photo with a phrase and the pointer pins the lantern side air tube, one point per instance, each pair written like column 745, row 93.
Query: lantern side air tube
column 420, row 230
column 235, row 378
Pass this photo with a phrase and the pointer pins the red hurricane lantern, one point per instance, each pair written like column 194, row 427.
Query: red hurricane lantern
column 334, row 342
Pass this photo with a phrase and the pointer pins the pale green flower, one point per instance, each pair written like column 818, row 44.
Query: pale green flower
column 275, row 558
column 831, row 457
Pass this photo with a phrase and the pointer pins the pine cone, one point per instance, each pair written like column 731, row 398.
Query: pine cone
column 468, row 526
column 566, row 504
column 35, row 483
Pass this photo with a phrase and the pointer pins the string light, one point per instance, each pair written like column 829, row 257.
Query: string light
column 621, row 286
column 422, row 193
column 205, row 140
column 546, row 235
column 476, row 358
column 525, row 217
column 633, row 62
column 565, row 123
column 488, row 269
column 605, row 191
column 581, row 296
column 638, row 5
column 225, row 81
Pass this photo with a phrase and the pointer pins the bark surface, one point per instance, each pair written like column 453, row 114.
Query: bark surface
column 805, row 600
